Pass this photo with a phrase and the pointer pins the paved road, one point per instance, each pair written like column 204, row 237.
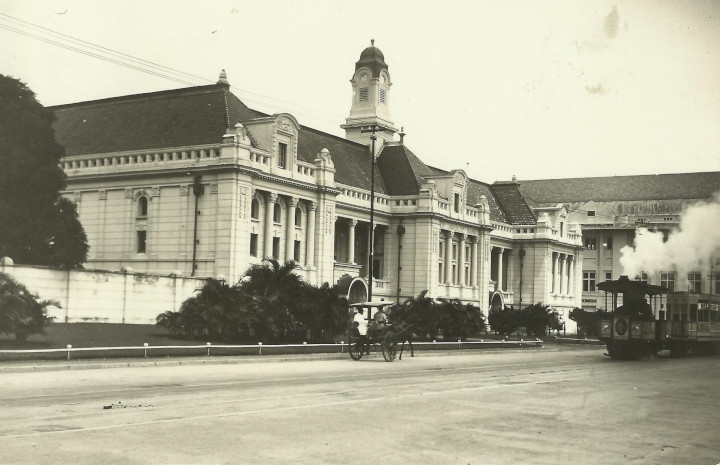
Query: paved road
column 546, row 406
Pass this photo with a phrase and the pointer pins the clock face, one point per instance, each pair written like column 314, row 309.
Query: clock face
column 363, row 77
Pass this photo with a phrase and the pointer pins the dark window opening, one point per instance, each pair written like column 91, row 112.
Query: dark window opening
column 276, row 247
column 298, row 217
column 255, row 209
column 277, row 211
column 141, row 241
column 296, row 251
column 457, row 203
column 254, row 245
column 142, row 204
column 282, row 155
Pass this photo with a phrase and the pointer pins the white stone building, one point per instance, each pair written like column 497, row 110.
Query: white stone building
column 192, row 181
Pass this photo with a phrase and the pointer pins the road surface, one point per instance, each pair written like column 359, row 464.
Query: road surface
column 557, row 405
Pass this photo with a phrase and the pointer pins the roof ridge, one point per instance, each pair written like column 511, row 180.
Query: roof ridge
column 194, row 90
column 331, row 135
column 620, row 176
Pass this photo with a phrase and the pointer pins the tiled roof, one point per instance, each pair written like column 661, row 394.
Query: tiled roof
column 190, row 116
column 401, row 170
column 197, row 115
column 512, row 203
column 606, row 189
column 351, row 160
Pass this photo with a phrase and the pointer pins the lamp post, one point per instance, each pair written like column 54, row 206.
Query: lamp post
column 371, row 129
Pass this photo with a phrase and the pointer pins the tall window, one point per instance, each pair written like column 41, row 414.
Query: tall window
column 363, row 96
column 643, row 277
column 254, row 245
column 668, row 280
column 282, row 155
column 276, row 247
column 590, row 243
column 457, row 203
column 608, row 243
column 141, row 241
column 277, row 212
column 298, row 217
column 255, row 209
column 588, row 280
column 441, row 261
column 296, row 251
column 382, row 95
column 695, row 282
column 142, row 206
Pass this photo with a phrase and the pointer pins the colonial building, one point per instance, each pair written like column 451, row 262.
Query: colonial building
column 192, row 181
column 610, row 209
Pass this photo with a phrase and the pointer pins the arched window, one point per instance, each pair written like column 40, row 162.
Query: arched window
column 255, row 209
column 298, row 217
column 142, row 206
column 277, row 211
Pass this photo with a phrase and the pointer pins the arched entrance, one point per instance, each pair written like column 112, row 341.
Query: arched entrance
column 497, row 302
column 358, row 291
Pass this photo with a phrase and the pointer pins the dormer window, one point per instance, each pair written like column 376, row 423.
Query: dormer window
column 282, row 155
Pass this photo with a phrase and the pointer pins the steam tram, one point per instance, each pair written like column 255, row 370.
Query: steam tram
column 641, row 324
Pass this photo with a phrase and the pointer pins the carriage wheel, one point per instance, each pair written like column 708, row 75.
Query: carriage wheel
column 389, row 350
column 356, row 349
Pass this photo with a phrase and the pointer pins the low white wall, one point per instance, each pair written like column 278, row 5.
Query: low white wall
column 105, row 296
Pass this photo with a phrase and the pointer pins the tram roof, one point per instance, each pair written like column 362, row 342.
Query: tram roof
column 624, row 285
column 379, row 303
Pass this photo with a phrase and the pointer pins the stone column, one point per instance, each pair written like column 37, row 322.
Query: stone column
column 571, row 275
column 561, row 272
column 567, row 274
column 270, row 200
column 290, row 230
column 351, row 241
column 500, row 282
column 555, row 257
column 310, row 246
column 448, row 258
column 461, row 260
column 473, row 262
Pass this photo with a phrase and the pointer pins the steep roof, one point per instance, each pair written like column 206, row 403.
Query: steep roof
column 190, row 116
column 401, row 170
column 351, row 160
column 512, row 203
column 174, row 118
column 628, row 188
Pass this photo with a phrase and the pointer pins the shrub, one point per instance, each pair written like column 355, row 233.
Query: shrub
column 21, row 312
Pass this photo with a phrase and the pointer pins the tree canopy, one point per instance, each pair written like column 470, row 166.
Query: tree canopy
column 38, row 226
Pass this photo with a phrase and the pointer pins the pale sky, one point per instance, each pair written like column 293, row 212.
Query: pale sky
column 536, row 89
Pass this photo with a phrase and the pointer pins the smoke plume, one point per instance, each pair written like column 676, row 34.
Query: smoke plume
column 691, row 247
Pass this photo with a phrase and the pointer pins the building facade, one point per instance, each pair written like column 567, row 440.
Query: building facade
column 193, row 182
column 611, row 209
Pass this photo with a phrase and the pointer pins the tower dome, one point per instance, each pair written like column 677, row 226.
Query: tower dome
column 373, row 59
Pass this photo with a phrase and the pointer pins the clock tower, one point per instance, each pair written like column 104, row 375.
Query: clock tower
column 370, row 99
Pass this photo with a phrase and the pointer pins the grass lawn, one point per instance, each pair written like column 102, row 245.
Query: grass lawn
column 59, row 335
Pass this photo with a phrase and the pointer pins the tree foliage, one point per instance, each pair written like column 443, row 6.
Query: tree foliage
column 587, row 322
column 537, row 319
column 21, row 312
column 269, row 304
column 38, row 226
column 430, row 318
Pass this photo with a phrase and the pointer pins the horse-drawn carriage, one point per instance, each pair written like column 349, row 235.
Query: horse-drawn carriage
column 387, row 336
